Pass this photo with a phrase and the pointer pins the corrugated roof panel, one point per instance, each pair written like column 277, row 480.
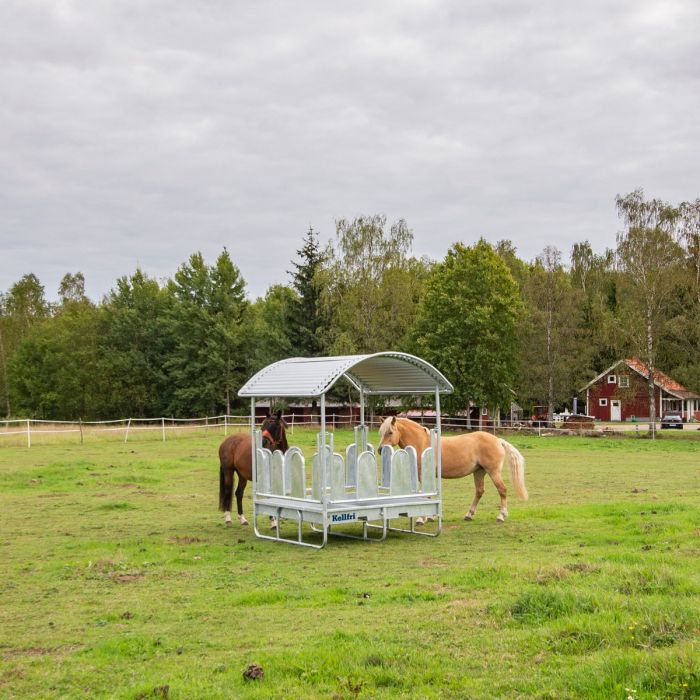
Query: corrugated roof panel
column 380, row 373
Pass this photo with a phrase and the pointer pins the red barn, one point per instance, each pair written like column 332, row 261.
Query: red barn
column 621, row 392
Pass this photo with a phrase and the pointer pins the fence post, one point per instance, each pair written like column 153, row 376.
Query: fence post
column 80, row 425
column 162, row 427
column 29, row 434
column 225, row 423
column 126, row 435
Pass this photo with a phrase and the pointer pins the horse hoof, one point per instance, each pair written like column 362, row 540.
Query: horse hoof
column 501, row 519
column 243, row 521
column 273, row 524
column 419, row 520
column 468, row 517
column 430, row 519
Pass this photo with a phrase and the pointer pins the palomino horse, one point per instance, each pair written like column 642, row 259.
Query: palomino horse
column 477, row 453
column 235, row 455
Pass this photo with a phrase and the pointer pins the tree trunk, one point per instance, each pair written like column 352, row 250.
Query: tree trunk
column 650, row 370
column 550, row 365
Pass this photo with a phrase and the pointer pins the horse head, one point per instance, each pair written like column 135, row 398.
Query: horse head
column 274, row 433
column 389, row 433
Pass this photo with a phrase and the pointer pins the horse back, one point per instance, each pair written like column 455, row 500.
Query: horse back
column 461, row 454
column 235, row 453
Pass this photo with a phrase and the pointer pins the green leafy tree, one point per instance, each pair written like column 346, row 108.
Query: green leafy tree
column 53, row 373
column 551, row 357
column 72, row 288
column 270, row 324
column 25, row 303
column 4, row 358
column 679, row 347
column 21, row 308
column 210, row 356
column 135, row 344
column 690, row 230
column 467, row 326
column 595, row 277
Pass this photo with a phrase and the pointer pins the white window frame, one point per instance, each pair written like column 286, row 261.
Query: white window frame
column 623, row 381
column 484, row 411
column 612, row 379
column 602, row 402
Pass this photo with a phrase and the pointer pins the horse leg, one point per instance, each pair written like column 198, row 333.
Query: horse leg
column 239, row 499
column 479, row 475
column 501, row 487
column 225, row 492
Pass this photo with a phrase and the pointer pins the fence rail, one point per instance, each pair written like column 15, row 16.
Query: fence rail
column 21, row 432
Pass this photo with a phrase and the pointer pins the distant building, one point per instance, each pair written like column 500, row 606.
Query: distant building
column 621, row 393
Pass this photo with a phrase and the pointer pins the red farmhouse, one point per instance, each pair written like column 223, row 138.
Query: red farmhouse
column 621, row 392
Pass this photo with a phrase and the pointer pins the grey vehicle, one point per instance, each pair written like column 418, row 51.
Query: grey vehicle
column 672, row 420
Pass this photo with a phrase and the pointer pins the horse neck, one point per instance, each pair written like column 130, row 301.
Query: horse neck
column 413, row 434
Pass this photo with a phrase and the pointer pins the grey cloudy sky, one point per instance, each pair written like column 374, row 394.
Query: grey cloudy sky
column 135, row 132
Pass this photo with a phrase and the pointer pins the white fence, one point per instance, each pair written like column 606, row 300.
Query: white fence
column 24, row 432
column 28, row 431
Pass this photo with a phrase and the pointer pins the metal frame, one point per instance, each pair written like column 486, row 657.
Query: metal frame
column 375, row 513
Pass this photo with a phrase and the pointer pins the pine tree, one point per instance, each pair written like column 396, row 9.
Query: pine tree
column 305, row 321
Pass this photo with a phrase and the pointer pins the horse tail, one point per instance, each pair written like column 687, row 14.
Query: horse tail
column 222, row 487
column 225, row 491
column 517, row 469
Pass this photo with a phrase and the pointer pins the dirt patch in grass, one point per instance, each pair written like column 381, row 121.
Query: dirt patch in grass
column 433, row 564
column 128, row 578
column 37, row 651
column 184, row 540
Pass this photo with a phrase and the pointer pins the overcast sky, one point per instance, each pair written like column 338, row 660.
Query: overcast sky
column 134, row 132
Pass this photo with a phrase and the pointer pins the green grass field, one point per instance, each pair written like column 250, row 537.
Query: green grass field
column 119, row 579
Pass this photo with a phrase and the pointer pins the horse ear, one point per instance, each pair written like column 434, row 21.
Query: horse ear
column 393, row 420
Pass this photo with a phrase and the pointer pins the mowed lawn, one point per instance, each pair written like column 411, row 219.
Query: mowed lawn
column 119, row 579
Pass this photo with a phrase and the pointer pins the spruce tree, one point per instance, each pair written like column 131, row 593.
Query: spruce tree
column 305, row 319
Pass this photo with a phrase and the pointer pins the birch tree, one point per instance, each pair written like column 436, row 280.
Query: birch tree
column 551, row 359
column 648, row 255
column 370, row 286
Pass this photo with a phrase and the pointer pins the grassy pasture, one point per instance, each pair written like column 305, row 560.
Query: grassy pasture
column 120, row 580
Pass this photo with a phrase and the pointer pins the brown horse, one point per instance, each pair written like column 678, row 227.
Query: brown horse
column 476, row 453
column 235, row 455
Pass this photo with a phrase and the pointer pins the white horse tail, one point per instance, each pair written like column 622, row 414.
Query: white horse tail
column 517, row 469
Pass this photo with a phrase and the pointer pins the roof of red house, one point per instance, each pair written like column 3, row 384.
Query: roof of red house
column 663, row 380
column 660, row 379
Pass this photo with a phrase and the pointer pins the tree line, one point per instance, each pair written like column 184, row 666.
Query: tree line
column 500, row 328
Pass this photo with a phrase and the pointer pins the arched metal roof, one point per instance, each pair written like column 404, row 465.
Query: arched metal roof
column 379, row 373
